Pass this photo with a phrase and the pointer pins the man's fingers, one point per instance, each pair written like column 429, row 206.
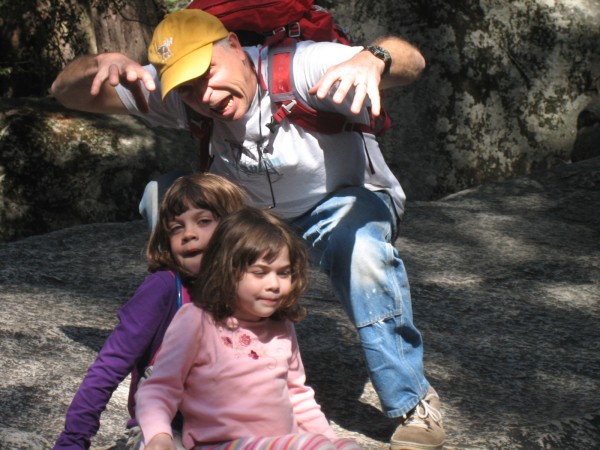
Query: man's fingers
column 114, row 75
column 323, row 86
column 354, row 77
column 98, row 81
column 375, row 97
column 96, row 84
column 138, row 96
column 360, row 92
column 342, row 90
column 138, row 73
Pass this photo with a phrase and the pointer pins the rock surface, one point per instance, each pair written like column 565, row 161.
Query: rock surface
column 509, row 89
column 60, row 168
column 506, row 291
column 504, row 85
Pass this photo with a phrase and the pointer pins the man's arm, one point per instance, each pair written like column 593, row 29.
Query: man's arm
column 364, row 72
column 88, row 83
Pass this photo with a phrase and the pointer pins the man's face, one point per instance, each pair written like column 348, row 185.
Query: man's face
column 226, row 90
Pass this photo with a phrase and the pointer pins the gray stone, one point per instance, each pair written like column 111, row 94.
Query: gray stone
column 60, row 168
column 503, row 88
column 587, row 144
column 504, row 93
column 505, row 285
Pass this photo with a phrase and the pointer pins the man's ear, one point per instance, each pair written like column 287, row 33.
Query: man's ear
column 236, row 45
column 233, row 40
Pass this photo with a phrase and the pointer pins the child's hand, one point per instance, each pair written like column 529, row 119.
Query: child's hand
column 162, row 441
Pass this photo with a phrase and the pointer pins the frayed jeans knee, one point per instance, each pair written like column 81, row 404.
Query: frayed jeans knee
column 350, row 235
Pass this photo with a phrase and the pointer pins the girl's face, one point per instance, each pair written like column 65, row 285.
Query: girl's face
column 262, row 288
column 189, row 234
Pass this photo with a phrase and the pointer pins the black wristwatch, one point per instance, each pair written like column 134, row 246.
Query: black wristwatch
column 382, row 54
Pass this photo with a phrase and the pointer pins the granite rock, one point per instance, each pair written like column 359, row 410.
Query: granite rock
column 506, row 292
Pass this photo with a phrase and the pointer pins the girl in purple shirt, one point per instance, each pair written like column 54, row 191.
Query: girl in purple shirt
column 189, row 213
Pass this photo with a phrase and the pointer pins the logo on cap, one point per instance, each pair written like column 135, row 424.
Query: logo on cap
column 165, row 49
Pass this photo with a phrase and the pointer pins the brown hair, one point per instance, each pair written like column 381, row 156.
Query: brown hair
column 198, row 190
column 239, row 241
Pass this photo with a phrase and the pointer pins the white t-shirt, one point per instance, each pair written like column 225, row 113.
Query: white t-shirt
column 304, row 166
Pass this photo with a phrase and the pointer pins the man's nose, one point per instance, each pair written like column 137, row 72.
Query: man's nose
column 204, row 91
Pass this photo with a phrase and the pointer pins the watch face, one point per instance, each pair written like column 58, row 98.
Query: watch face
column 382, row 54
column 378, row 53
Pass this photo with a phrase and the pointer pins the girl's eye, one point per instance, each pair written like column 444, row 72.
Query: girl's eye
column 175, row 229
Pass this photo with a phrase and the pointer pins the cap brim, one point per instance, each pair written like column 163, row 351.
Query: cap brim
column 190, row 66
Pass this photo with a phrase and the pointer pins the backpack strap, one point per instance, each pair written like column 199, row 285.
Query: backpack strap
column 183, row 297
column 201, row 129
column 291, row 107
column 179, row 290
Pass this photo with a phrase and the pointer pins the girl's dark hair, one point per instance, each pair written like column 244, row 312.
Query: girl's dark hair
column 241, row 239
column 199, row 190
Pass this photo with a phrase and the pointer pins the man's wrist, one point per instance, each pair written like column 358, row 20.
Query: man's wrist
column 382, row 54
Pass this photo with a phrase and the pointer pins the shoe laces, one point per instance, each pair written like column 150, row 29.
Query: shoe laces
column 419, row 415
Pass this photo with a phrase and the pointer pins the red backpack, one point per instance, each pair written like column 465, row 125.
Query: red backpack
column 279, row 25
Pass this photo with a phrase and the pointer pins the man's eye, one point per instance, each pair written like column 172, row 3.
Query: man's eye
column 184, row 90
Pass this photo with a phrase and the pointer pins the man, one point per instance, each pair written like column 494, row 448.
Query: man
column 335, row 189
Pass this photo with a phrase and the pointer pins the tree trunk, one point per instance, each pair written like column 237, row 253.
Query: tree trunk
column 37, row 38
column 126, row 27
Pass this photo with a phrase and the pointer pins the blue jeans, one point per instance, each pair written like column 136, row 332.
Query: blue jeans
column 350, row 235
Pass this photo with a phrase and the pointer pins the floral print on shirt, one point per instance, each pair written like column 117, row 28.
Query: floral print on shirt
column 240, row 343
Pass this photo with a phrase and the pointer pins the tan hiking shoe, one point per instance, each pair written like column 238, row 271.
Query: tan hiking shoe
column 421, row 428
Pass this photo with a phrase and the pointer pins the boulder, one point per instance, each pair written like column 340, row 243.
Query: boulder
column 504, row 93
column 587, row 143
column 503, row 88
column 60, row 168
column 504, row 281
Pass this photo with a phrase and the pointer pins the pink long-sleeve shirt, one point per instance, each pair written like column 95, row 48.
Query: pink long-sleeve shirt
column 234, row 380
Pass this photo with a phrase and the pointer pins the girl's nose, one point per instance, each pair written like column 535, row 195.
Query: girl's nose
column 273, row 282
column 189, row 234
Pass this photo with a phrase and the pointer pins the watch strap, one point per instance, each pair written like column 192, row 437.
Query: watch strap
column 381, row 53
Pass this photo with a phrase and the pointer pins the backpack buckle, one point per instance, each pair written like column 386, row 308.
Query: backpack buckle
column 349, row 127
column 283, row 111
column 294, row 30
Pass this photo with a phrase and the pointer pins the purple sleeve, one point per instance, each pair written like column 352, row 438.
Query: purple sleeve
column 142, row 324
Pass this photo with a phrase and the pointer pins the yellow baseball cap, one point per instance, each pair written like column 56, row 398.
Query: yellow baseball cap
column 181, row 47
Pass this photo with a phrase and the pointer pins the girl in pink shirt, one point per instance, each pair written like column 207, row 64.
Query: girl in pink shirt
column 230, row 361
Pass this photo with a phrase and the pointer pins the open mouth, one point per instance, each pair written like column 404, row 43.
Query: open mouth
column 223, row 106
column 193, row 253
